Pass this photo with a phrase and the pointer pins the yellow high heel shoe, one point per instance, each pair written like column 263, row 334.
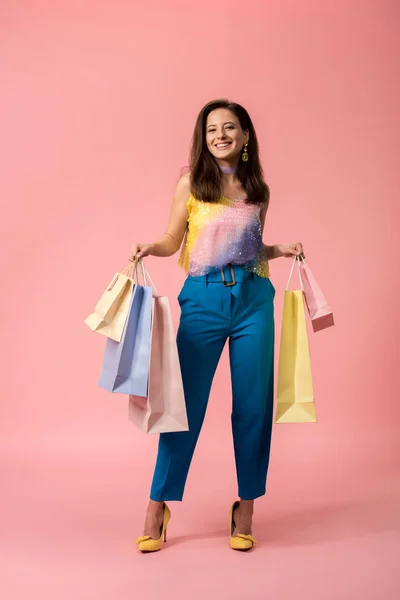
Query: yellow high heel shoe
column 241, row 541
column 145, row 543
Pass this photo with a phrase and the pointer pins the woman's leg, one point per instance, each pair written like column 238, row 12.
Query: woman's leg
column 251, row 350
column 200, row 344
column 243, row 517
column 201, row 337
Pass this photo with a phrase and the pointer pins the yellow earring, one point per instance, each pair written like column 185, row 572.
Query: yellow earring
column 245, row 156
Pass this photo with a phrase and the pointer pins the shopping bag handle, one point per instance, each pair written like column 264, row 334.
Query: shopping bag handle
column 145, row 273
column 297, row 261
column 133, row 265
column 127, row 269
column 303, row 260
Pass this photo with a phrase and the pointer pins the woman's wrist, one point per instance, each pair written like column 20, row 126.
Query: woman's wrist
column 151, row 246
column 272, row 251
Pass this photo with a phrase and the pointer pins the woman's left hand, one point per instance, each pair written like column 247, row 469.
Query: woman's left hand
column 291, row 250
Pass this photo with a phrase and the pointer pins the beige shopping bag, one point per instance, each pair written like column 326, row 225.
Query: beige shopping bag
column 111, row 311
column 295, row 396
column 164, row 409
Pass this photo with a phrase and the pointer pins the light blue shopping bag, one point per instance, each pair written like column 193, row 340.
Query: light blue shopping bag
column 126, row 363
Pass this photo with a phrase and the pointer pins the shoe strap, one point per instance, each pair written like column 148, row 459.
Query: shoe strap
column 246, row 537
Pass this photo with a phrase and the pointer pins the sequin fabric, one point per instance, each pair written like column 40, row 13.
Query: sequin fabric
column 228, row 231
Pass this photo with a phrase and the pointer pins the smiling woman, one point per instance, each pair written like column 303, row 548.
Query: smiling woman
column 219, row 212
column 224, row 128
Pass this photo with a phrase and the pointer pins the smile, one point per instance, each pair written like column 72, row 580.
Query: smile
column 223, row 146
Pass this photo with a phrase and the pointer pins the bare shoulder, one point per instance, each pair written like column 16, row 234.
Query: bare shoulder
column 182, row 190
column 184, row 183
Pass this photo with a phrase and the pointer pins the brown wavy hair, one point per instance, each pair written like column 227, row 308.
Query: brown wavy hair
column 205, row 174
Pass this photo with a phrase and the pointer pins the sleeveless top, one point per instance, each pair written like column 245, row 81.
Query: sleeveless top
column 222, row 233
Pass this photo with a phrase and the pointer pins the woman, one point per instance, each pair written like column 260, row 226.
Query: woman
column 220, row 208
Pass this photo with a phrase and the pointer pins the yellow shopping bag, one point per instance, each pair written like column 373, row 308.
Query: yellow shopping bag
column 295, row 396
column 111, row 311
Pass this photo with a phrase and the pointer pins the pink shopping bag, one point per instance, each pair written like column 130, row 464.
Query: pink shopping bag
column 318, row 308
column 164, row 409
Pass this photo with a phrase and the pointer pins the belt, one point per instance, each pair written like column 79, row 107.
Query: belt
column 235, row 274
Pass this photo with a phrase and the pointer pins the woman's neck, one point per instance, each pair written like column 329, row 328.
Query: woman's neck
column 229, row 178
column 228, row 173
column 228, row 169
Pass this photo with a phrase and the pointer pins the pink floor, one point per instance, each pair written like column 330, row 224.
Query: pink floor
column 326, row 530
column 97, row 107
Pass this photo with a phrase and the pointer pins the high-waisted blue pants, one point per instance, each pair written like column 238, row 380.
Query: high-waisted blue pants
column 210, row 314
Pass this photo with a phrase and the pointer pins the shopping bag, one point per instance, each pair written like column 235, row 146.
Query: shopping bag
column 125, row 368
column 319, row 310
column 164, row 409
column 295, row 396
column 111, row 311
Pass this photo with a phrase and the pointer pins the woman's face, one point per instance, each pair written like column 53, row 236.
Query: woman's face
column 224, row 136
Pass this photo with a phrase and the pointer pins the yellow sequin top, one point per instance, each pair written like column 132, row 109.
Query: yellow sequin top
column 221, row 233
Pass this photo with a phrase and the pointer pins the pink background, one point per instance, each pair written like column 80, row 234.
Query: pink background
column 97, row 107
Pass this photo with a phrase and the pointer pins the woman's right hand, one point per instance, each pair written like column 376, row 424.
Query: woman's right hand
column 140, row 251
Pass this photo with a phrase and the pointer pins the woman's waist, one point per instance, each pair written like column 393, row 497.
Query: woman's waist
column 229, row 273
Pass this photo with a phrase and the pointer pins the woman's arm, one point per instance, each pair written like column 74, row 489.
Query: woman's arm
column 278, row 250
column 171, row 240
column 270, row 251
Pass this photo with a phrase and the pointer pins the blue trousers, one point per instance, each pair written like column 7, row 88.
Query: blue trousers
column 210, row 314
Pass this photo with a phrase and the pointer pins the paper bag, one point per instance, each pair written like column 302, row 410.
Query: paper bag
column 164, row 409
column 295, row 396
column 125, row 367
column 111, row 311
column 318, row 308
